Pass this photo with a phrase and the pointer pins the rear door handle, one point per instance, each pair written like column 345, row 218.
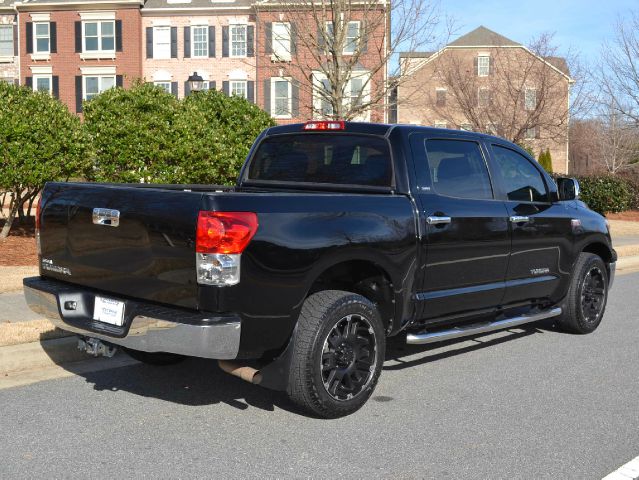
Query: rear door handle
column 433, row 220
column 519, row 219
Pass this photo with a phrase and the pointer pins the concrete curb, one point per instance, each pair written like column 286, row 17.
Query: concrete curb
column 36, row 355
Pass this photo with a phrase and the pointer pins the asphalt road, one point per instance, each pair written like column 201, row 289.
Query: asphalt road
column 528, row 403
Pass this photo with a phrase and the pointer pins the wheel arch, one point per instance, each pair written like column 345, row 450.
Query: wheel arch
column 362, row 276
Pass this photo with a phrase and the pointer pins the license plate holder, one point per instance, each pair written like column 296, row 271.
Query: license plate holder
column 109, row 311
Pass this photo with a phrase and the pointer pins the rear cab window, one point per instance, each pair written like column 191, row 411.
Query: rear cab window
column 457, row 169
column 319, row 158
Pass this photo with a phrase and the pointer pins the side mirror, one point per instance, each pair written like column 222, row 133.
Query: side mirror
column 567, row 188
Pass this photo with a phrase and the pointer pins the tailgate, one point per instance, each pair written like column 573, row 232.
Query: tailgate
column 149, row 255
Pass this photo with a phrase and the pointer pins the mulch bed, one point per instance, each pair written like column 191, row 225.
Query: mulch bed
column 629, row 216
column 19, row 248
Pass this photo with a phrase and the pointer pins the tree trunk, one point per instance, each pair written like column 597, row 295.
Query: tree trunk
column 13, row 209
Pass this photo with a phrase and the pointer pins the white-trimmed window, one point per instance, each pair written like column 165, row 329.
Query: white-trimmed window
column 98, row 36
column 281, row 98
column 467, row 127
column 42, row 83
column 351, row 36
column 281, row 32
column 163, row 85
column 238, row 88
column 93, row 85
column 321, row 94
column 530, row 99
column 162, row 42
column 41, row 37
column 440, row 124
column 483, row 97
column 530, row 133
column 6, row 41
column 238, row 40
column 483, row 65
column 440, row 97
column 200, row 41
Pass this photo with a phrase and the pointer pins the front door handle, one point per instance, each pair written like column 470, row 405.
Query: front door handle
column 519, row 219
column 434, row 220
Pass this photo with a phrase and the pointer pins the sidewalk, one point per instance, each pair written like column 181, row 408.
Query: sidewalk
column 13, row 308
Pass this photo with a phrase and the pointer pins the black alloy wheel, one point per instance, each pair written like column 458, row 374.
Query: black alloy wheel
column 593, row 295
column 349, row 357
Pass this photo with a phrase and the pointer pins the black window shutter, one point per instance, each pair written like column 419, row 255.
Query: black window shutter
column 55, row 86
column 225, row 87
column 250, row 41
column 119, row 81
column 174, row 89
column 267, row 95
column 475, row 65
column 29, row 42
column 268, row 37
column 78, row 94
column 187, row 89
column 212, row 85
column 78, row 39
column 225, row 41
column 15, row 41
column 28, row 81
column 363, row 37
column 250, row 91
column 490, row 66
column 53, row 37
column 211, row 42
column 16, row 82
column 295, row 99
column 187, row 42
column 149, row 42
column 321, row 41
column 118, row 35
column 293, row 35
column 173, row 42
column 537, row 132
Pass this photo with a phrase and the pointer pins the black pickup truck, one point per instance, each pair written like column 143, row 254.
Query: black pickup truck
column 336, row 236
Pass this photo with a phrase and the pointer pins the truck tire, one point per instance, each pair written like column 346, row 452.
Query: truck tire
column 585, row 302
column 154, row 358
column 339, row 348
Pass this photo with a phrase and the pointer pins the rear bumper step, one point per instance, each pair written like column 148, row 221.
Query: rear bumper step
column 476, row 329
column 148, row 328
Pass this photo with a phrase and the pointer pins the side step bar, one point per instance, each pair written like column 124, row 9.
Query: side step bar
column 478, row 328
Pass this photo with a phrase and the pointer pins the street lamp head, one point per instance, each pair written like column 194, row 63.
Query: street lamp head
column 196, row 82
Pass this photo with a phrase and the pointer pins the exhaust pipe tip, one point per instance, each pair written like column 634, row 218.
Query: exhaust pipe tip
column 248, row 374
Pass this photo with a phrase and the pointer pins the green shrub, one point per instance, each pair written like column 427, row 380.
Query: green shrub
column 545, row 160
column 214, row 133
column 608, row 193
column 146, row 134
column 131, row 131
column 40, row 141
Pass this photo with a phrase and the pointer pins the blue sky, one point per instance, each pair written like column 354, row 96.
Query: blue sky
column 578, row 25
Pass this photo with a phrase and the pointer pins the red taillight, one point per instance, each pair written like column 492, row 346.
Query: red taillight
column 224, row 232
column 38, row 211
column 325, row 125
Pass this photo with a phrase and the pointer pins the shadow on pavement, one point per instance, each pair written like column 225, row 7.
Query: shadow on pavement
column 198, row 382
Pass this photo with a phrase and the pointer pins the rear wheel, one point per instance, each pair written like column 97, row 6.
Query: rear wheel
column 154, row 358
column 585, row 302
column 338, row 355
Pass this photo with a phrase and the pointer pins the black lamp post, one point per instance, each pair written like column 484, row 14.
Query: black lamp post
column 196, row 82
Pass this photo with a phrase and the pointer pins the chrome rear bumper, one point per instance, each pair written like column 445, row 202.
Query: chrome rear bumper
column 204, row 336
column 612, row 266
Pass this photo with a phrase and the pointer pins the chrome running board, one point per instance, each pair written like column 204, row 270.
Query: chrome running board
column 478, row 328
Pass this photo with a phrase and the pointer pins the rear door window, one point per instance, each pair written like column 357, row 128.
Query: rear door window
column 457, row 169
column 323, row 158
column 522, row 181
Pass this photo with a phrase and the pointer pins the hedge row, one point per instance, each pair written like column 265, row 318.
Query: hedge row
column 608, row 193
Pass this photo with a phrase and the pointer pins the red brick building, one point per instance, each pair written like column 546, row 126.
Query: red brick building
column 290, row 55
column 79, row 48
